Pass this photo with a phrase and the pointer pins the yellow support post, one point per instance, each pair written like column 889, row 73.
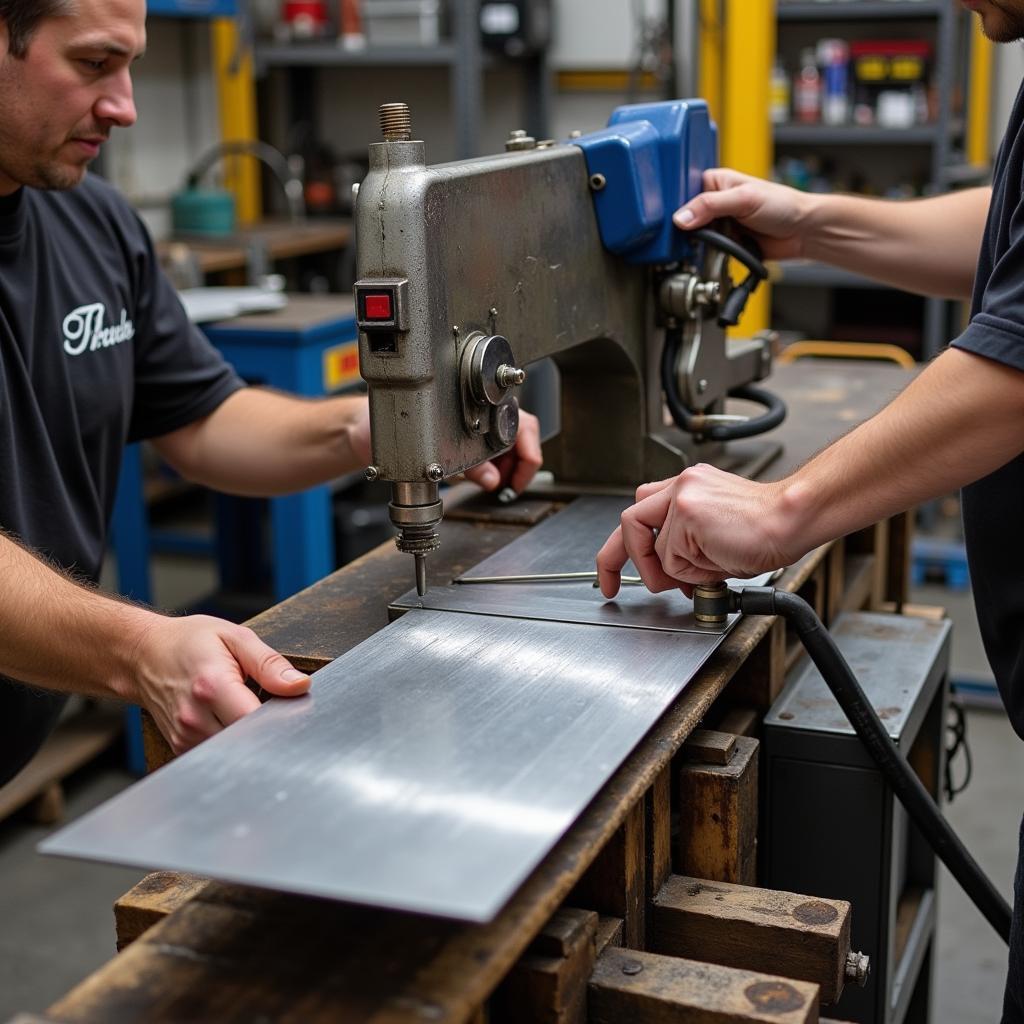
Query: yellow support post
column 745, row 130
column 979, row 98
column 236, row 91
column 710, row 50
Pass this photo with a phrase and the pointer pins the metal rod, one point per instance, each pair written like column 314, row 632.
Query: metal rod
column 421, row 574
column 542, row 577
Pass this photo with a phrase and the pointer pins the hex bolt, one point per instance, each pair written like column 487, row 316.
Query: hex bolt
column 858, row 967
column 507, row 376
column 372, row 473
column 632, row 967
column 395, row 122
column 598, row 182
column 435, row 473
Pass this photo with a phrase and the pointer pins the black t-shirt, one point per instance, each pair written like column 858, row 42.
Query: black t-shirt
column 993, row 507
column 95, row 351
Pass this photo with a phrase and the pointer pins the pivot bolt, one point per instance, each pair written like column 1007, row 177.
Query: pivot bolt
column 435, row 473
column 372, row 473
column 507, row 376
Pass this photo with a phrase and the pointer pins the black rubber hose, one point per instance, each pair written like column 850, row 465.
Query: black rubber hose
column 687, row 420
column 776, row 413
column 905, row 784
column 749, row 257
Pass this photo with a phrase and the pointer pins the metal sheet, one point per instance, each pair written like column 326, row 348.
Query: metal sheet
column 567, row 542
column 430, row 769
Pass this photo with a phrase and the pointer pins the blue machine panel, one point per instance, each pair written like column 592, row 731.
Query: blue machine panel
column 652, row 157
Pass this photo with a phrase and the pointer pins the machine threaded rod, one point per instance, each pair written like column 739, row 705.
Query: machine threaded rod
column 395, row 122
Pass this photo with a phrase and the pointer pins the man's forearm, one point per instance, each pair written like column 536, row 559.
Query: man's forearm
column 261, row 442
column 62, row 636
column 928, row 246
column 960, row 420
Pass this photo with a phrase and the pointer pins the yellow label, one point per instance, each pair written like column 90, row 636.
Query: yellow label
column 341, row 366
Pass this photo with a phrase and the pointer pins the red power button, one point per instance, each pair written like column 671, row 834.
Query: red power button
column 378, row 307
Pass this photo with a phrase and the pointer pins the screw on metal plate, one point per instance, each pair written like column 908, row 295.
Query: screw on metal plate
column 395, row 122
column 632, row 967
column 435, row 473
column 598, row 182
column 372, row 473
column 858, row 967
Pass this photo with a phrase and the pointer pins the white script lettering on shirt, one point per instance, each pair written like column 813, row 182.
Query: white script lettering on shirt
column 83, row 329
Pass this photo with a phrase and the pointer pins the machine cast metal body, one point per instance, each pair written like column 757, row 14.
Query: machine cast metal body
column 470, row 270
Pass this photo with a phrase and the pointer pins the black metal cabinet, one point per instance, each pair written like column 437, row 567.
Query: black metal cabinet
column 831, row 825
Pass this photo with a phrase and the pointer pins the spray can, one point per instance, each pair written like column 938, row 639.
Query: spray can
column 834, row 58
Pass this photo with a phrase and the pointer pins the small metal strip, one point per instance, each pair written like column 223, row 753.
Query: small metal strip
column 567, row 542
column 430, row 769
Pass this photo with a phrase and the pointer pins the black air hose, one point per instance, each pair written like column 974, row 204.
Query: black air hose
column 905, row 784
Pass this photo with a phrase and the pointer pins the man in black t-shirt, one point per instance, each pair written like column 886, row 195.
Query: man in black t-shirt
column 959, row 424
column 96, row 351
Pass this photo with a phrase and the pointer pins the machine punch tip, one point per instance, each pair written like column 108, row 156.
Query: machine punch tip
column 421, row 574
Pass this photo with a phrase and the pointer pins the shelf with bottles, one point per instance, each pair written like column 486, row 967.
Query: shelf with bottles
column 878, row 87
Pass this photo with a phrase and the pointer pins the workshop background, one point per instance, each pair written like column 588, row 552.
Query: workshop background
column 883, row 97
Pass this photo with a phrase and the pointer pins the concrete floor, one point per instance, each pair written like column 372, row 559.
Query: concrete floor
column 56, row 924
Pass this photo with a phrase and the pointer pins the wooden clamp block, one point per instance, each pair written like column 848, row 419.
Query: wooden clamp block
column 717, row 836
column 756, row 929
column 548, row 985
column 644, row 988
column 151, row 900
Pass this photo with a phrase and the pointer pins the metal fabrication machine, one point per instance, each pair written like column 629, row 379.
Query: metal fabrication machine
column 469, row 270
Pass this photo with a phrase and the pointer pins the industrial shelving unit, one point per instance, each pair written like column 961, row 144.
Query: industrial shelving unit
column 944, row 137
column 462, row 55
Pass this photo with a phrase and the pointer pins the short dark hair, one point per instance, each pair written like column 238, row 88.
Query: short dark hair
column 22, row 17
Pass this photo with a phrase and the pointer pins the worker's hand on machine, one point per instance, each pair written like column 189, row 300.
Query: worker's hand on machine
column 702, row 526
column 774, row 215
column 190, row 675
column 515, row 468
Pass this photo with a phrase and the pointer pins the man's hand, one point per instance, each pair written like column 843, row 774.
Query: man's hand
column 190, row 675
column 772, row 214
column 515, row 468
column 700, row 527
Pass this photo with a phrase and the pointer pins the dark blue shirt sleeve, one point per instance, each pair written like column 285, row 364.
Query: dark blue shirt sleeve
column 996, row 327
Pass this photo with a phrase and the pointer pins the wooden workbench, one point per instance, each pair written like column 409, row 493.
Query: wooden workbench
column 232, row 954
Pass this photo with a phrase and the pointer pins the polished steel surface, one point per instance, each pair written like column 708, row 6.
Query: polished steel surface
column 429, row 769
column 567, row 542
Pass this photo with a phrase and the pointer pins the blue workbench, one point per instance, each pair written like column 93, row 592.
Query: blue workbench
column 308, row 348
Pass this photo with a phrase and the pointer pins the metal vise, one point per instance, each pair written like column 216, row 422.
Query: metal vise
column 471, row 270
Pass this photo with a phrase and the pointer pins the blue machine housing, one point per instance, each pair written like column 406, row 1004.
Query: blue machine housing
column 652, row 157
